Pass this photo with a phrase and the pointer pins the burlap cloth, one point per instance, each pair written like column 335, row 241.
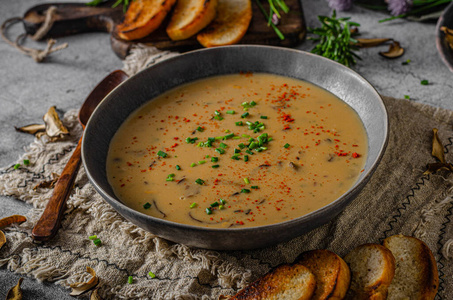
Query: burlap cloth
column 398, row 199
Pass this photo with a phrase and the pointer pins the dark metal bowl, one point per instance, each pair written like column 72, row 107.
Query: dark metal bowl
column 334, row 77
column 445, row 52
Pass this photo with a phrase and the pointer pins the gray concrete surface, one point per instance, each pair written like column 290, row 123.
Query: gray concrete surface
column 27, row 89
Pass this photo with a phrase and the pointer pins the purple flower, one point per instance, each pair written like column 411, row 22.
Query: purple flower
column 340, row 5
column 399, row 7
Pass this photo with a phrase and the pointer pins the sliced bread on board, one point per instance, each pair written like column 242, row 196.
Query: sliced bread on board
column 189, row 17
column 230, row 24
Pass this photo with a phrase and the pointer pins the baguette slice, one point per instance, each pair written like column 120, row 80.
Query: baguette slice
column 416, row 274
column 331, row 273
column 372, row 267
column 143, row 17
column 229, row 26
column 189, row 17
column 286, row 282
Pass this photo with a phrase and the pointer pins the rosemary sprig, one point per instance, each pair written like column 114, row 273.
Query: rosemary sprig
column 335, row 39
column 125, row 3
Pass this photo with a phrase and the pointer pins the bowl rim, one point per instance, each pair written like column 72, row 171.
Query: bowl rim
column 447, row 57
column 358, row 185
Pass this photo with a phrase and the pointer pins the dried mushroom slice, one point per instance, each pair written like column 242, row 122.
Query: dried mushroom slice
column 2, row 239
column 395, row 51
column 54, row 127
column 47, row 184
column 366, row 43
column 448, row 35
column 32, row 128
column 15, row 293
column 5, row 222
column 79, row 288
column 438, row 148
column 95, row 295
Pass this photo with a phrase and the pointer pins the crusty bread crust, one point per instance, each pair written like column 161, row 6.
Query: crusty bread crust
column 331, row 273
column 230, row 24
column 189, row 17
column 143, row 17
column 363, row 287
column 286, row 282
column 416, row 275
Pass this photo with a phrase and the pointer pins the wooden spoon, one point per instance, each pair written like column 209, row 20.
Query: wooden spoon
column 48, row 224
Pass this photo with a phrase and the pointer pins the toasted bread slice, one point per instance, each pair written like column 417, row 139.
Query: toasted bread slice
column 286, row 282
column 189, row 17
column 143, row 17
column 331, row 273
column 416, row 274
column 230, row 24
column 372, row 270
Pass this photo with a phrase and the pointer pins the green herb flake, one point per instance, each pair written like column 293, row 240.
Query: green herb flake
column 151, row 274
column 245, row 115
column 245, row 191
column 193, row 205
column 201, row 162
column 146, row 205
column 406, row 62
column 200, row 129
column 222, row 201
column 407, row 97
column 215, row 204
column 16, row 166
column 199, row 181
column 230, row 112
column 162, row 154
column 246, row 158
column 92, row 237
column 130, row 280
column 239, row 123
column 214, row 159
column 97, row 242
column 215, row 166
column 193, row 165
column 26, row 162
column 178, row 167
column 263, row 117
column 286, row 145
column 220, row 150
column 255, row 187
column 424, row 82
column 246, row 180
column 208, row 211
column 223, row 145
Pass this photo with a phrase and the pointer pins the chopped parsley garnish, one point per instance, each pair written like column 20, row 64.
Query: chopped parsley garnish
column 146, row 205
column 199, row 181
column 162, row 154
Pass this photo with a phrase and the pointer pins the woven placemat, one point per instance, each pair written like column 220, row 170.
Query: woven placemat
column 398, row 199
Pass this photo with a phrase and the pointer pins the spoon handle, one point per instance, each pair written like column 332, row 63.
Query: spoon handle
column 48, row 224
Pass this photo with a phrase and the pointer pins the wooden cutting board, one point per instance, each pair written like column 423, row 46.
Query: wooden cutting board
column 72, row 18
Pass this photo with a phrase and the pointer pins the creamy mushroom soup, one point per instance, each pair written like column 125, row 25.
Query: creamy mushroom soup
column 237, row 151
